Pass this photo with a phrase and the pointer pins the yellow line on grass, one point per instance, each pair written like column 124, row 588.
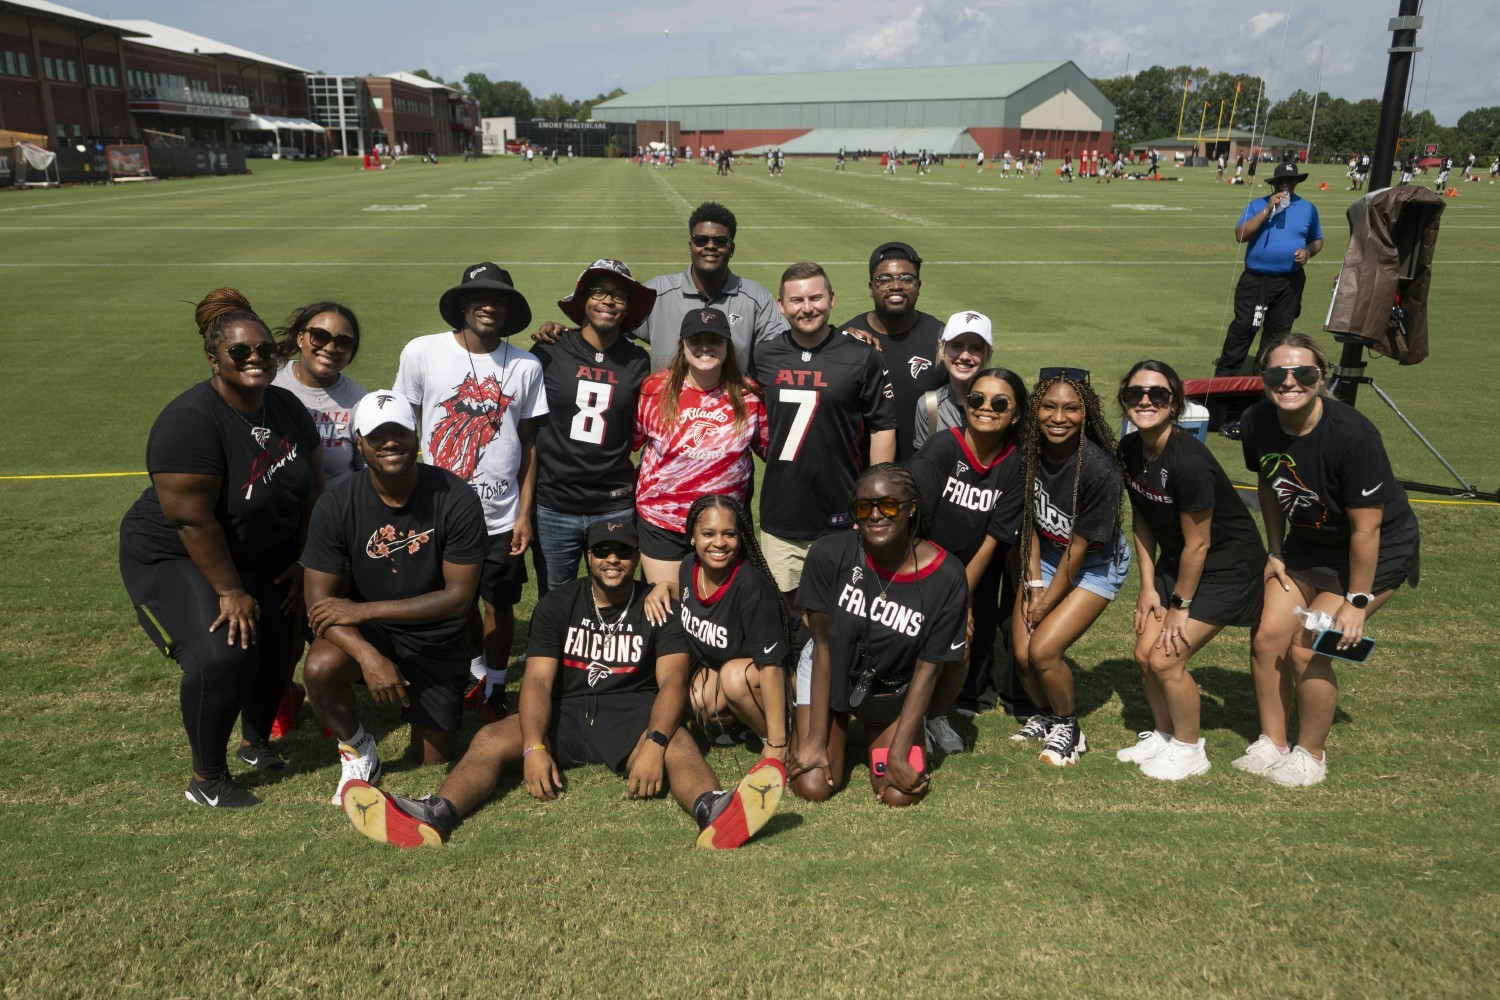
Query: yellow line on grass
column 79, row 475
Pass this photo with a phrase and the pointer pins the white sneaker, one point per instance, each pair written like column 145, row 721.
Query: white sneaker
column 1299, row 769
column 941, row 732
column 1259, row 757
column 360, row 761
column 1150, row 743
column 1176, row 761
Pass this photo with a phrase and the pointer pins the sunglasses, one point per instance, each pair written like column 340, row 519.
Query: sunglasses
column 886, row 280
column 599, row 293
column 998, row 404
column 1306, row 375
column 606, row 549
column 322, row 338
column 1071, row 374
column 240, row 353
column 864, row 508
column 1159, row 395
column 699, row 240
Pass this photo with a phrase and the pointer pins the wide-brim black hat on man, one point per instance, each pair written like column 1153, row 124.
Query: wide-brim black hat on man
column 486, row 277
column 1286, row 172
column 641, row 297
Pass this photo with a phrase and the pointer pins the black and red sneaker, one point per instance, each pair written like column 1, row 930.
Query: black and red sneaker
column 392, row 819
column 739, row 814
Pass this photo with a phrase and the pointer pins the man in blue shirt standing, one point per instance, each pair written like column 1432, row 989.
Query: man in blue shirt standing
column 1283, row 234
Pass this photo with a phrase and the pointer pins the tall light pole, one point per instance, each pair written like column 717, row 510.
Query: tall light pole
column 666, row 125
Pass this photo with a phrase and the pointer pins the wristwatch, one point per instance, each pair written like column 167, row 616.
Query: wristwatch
column 1179, row 603
column 657, row 738
column 1359, row 600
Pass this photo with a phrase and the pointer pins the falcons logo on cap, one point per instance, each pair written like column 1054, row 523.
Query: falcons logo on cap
column 706, row 315
column 919, row 365
column 598, row 672
column 382, row 399
column 972, row 317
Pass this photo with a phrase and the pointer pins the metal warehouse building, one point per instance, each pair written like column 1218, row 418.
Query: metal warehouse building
column 1051, row 106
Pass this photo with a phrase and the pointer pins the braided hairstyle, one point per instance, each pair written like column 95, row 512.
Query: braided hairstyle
column 921, row 515
column 298, row 320
column 1095, row 428
column 217, row 310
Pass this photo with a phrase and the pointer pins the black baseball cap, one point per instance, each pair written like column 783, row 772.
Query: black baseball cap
column 894, row 251
column 706, row 321
column 619, row 532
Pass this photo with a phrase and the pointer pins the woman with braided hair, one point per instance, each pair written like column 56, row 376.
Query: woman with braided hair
column 738, row 627
column 887, row 609
column 1072, row 551
column 208, row 553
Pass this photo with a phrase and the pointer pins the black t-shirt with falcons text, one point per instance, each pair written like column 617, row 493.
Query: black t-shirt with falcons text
column 396, row 553
column 1183, row 479
column 617, row 656
column 1098, row 498
column 583, row 444
column 739, row 620
column 968, row 500
column 910, row 362
column 1339, row 464
column 903, row 618
column 821, row 403
column 265, row 468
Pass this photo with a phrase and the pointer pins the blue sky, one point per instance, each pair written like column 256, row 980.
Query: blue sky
column 584, row 47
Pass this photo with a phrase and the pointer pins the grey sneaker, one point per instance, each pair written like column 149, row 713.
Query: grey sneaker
column 1298, row 769
column 219, row 793
column 1035, row 728
column 1148, row 745
column 1259, row 757
column 941, row 732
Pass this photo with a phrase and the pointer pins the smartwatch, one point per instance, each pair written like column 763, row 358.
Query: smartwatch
column 657, row 738
column 1179, row 603
column 1360, row 601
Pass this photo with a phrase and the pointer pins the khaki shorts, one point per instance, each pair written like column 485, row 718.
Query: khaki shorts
column 784, row 557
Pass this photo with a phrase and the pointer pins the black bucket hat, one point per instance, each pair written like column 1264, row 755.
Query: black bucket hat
column 641, row 297
column 490, row 278
column 1286, row 172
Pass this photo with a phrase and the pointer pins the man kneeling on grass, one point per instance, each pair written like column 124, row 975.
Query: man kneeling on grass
column 603, row 685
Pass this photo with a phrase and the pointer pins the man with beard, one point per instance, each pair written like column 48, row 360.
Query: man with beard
column 824, row 392
column 906, row 337
column 604, row 685
column 406, row 543
column 593, row 377
column 479, row 399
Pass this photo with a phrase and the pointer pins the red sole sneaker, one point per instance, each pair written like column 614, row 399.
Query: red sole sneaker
column 286, row 712
column 377, row 816
column 753, row 804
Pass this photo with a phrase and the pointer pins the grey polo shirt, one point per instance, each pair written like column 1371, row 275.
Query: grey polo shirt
column 752, row 312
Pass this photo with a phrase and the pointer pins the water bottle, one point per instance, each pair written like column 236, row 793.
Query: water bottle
column 1312, row 619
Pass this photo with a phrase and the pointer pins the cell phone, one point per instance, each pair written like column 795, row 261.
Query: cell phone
column 915, row 758
column 1327, row 643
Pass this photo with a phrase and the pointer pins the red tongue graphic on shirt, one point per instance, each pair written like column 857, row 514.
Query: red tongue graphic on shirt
column 474, row 414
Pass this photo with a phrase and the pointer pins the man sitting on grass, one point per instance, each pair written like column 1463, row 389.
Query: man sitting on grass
column 603, row 685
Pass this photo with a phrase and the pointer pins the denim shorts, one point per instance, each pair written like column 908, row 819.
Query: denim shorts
column 1098, row 575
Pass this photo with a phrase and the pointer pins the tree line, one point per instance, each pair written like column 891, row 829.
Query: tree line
column 1148, row 105
column 509, row 98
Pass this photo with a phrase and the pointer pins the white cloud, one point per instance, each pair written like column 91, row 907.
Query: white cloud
column 1262, row 23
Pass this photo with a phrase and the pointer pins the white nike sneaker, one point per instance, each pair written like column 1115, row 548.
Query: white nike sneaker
column 1259, row 757
column 359, row 761
column 1299, row 769
column 1176, row 761
column 1148, row 745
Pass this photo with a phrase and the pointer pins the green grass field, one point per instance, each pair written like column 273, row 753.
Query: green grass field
column 1011, row 879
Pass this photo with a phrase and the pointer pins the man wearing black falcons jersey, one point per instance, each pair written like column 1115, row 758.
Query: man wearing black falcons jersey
column 604, row 685
column 825, row 392
column 906, row 337
column 593, row 377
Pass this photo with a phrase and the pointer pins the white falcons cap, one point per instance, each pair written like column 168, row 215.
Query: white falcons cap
column 969, row 322
column 383, row 406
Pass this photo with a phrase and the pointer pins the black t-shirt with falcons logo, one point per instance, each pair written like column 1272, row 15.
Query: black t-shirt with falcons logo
column 911, row 366
column 583, row 445
column 821, row 402
column 968, row 499
column 740, row 620
column 1339, row 464
column 598, row 660
column 1098, row 498
column 904, row 618
column 395, row 553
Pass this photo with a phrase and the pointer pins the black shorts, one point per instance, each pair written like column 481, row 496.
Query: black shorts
column 599, row 730
column 1327, row 568
column 438, row 683
column 503, row 575
column 659, row 543
column 1221, row 598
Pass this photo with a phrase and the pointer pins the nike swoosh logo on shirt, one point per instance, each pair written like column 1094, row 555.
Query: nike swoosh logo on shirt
column 769, row 648
column 1372, row 489
column 957, row 645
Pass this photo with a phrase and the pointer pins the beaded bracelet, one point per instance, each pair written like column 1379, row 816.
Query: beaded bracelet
column 536, row 746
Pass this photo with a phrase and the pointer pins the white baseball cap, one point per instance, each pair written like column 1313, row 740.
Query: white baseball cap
column 383, row 406
column 969, row 322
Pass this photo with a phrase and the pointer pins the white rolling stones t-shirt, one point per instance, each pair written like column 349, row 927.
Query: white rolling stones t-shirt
column 469, row 405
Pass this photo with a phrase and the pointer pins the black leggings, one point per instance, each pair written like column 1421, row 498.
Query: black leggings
column 175, row 605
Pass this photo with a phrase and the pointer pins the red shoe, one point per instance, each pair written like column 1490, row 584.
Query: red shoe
column 390, row 819
column 491, row 709
column 286, row 712
column 740, row 814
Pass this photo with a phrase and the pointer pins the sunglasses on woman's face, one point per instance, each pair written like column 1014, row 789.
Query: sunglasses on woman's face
column 998, row 404
column 1159, row 395
column 322, row 338
column 240, row 353
column 865, row 507
column 1306, row 375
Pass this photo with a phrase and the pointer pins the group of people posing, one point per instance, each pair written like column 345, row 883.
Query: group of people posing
column 919, row 507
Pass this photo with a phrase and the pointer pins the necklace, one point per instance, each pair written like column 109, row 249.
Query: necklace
column 258, row 429
column 609, row 629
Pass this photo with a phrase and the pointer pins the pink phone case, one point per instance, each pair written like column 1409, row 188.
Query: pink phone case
column 915, row 758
